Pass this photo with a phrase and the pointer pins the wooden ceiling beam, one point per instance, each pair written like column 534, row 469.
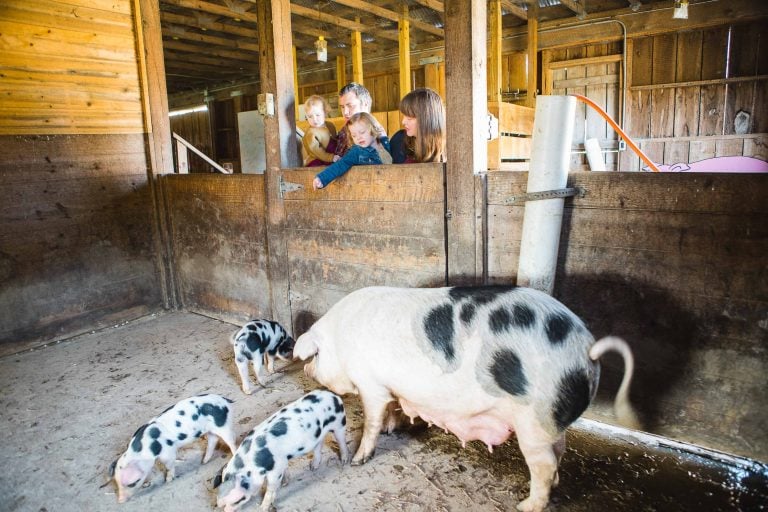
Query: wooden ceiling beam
column 194, row 21
column 435, row 5
column 575, row 6
column 350, row 25
column 390, row 15
column 514, row 9
column 218, row 10
column 177, row 32
column 216, row 53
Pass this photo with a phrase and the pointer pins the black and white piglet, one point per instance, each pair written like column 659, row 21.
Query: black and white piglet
column 293, row 431
column 158, row 439
column 260, row 341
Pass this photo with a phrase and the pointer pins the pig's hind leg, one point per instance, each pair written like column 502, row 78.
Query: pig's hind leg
column 374, row 407
column 542, row 457
column 242, row 369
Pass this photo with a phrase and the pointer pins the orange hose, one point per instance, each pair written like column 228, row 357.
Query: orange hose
column 618, row 129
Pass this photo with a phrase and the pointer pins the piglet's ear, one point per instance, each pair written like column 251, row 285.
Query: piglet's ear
column 112, row 468
column 306, row 346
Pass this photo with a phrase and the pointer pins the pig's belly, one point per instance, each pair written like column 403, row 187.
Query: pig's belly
column 485, row 426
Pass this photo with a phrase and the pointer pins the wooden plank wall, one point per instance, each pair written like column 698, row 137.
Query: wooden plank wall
column 80, row 55
column 76, row 244
column 218, row 243
column 195, row 127
column 686, row 89
column 675, row 264
column 376, row 225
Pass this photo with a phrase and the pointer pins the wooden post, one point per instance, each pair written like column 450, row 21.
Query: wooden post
column 157, row 127
column 341, row 72
column 404, row 47
column 533, row 50
column 295, row 84
column 276, row 74
column 357, row 57
column 466, row 130
column 494, row 52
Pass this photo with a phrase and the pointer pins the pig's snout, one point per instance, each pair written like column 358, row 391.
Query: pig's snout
column 309, row 369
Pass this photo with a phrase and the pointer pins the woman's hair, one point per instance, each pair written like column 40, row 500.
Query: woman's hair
column 316, row 99
column 426, row 106
column 367, row 119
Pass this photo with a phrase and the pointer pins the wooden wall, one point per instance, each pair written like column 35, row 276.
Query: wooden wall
column 218, row 243
column 76, row 244
column 675, row 264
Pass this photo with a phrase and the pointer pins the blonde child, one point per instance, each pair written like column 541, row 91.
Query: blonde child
column 367, row 150
column 318, row 142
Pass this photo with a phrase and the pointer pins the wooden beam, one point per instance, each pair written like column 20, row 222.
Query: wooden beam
column 169, row 18
column 316, row 15
column 389, row 15
column 494, row 51
column 295, row 83
column 404, row 52
column 435, row 5
column 533, row 51
column 341, row 72
column 466, row 132
column 514, row 9
column 218, row 10
column 575, row 6
column 357, row 57
column 281, row 147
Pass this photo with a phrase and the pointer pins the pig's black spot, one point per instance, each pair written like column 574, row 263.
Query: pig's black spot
column 154, row 432
column 344, row 421
column 181, row 437
column 219, row 414
column 178, row 423
column 558, row 326
column 279, row 429
column 246, row 445
column 255, row 343
column 572, row 398
column 169, row 442
column 261, row 441
column 508, row 372
column 194, row 417
column 439, row 328
column 338, row 405
column 289, row 456
column 297, row 410
column 181, row 412
column 245, row 485
column 467, row 312
column 499, row 320
column 317, row 432
column 136, row 443
column 311, row 398
column 478, row 294
column 264, row 459
column 246, row 355
column 155, row 447
column 238, row 462
column 328, row 420
column 523, row 316
column 198, row 433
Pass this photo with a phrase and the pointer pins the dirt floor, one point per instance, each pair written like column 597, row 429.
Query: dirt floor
column 68, row 410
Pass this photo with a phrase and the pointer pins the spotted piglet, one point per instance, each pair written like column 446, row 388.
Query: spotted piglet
column 293, row 431
column 179, row 425
column 258, row 341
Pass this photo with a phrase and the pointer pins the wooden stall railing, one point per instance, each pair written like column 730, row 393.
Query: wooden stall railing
column 512, row 150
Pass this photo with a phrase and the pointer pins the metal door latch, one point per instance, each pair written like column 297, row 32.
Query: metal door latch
column 546, row 194
column 287, row 186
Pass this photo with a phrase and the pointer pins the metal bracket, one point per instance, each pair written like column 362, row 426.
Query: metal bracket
column 546, row 194
column 287, row 186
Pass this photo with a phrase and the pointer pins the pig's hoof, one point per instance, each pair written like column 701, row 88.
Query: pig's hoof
column 247, row 391
column 362, row 459
column 529, row 505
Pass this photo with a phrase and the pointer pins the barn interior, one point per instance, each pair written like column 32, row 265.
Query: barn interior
column 152, row 202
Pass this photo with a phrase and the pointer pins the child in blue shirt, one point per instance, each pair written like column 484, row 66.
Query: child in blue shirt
column 368, row 150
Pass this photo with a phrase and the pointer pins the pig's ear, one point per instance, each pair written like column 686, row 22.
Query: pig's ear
column 131, row 474
column 306, row 346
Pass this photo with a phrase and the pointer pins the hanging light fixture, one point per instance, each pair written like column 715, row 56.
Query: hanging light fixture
column 321, row 47
column 681, row 10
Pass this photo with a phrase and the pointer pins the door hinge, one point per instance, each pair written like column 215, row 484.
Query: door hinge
column 546, row 194
column 287, row 186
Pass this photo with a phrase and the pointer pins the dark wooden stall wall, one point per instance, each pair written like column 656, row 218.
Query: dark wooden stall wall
column 218, row 239
column 195, row 128
column 376, row 225
column 675, row 264
column 686, row 89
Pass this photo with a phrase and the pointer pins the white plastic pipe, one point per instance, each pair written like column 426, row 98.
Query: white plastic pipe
column 550, row 161
column 594, row 155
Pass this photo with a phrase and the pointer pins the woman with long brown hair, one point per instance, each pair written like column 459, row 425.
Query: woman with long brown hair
column 422, row 138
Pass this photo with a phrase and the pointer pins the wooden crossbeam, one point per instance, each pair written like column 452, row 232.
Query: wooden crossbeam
column 198, row 5
column 389, row 15
column 575, row 6
column 350, row 25
column 514, row 9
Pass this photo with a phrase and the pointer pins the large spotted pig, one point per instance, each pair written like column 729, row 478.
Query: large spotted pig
column 481, row 362
column 295, row 430
column 158, row 439
column 258, row 341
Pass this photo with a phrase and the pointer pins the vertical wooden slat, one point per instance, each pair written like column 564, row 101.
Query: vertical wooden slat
column 357, row 57
column 276, row 74
column 404, row 52
column 533, row 50
column 295, row 83
column 341, row 72
column 466, row 87
column 494, row 51
column 715, row 44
